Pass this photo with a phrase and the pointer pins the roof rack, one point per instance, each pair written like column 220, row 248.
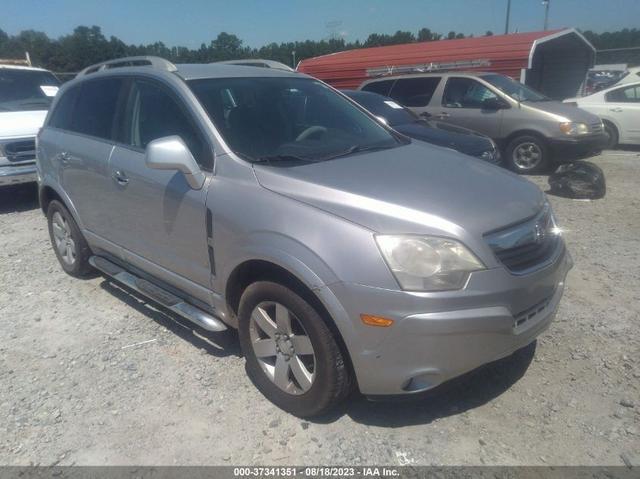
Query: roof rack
column 427, row 67
column 155, row 62
column 258, row 62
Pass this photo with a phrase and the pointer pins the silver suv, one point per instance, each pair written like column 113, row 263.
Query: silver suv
column 346, row 255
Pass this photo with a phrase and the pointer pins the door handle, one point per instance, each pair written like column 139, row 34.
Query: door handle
column 65, row 158
column 120, row 178
column 616, row 110
column 443, row 114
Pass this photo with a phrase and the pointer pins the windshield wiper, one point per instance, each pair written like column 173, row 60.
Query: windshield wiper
column 356, row 149
column 278, row 158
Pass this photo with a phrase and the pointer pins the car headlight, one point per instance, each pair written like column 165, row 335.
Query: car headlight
column 428, row 263
column 572, row 128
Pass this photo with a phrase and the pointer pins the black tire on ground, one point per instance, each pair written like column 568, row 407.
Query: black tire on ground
column 332, row 381
column 612, row 135
column 522, row 146
column 80, row 266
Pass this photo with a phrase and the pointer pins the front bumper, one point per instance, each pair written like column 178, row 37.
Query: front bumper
column 14, row 175
column 570, row 149
column 438, row 336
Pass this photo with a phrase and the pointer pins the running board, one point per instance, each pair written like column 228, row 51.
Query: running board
column 157, row 294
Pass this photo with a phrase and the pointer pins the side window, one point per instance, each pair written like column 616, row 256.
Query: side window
column 63, row 114
column 415, row 91
column 624, row 95
column 381, row 87
column 465, row 93
column 95, row 108
column 154, row 113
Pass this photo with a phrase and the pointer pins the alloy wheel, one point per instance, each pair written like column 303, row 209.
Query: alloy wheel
column 65, row 244
column 527, row 156
column 282, row 347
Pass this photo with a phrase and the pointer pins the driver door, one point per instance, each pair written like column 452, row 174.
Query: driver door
column 160, row 221
column 462, row 105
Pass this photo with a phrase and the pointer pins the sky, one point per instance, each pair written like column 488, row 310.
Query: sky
column 192, row 22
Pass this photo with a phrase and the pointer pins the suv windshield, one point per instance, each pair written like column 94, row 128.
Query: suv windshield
column 285, row 118
column 514, row 89
column 22, row 89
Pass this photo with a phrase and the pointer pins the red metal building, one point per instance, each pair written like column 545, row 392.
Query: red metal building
column 554, row 62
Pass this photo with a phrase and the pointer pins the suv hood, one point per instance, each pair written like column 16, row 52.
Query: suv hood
column 570, row 112
column 416, row 188
column 17, row 124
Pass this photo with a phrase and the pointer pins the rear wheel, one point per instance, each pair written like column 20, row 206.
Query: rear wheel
column 527, row 154
column 70, row 247
column 611, row 133
column 292, row 356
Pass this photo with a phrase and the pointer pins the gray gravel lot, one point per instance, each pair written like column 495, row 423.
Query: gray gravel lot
column 90, row 374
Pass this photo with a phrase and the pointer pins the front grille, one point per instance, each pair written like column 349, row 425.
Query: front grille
column 596, row 127
column 21, row 150
column 528, row 245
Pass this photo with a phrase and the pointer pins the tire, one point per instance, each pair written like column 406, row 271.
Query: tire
column 527, row 154
column 69, row 245
column 612, row 136
column 330, row 382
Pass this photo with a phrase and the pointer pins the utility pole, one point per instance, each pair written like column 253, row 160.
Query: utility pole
column 293, row 57
column 506, row 23
column 546, row 13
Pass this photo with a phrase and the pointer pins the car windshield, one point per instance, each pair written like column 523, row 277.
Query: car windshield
column 288, row 118
column 514, row 89
column 390, row 110
column 22, row 89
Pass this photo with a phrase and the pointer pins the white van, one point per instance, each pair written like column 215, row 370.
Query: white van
column 25, row 96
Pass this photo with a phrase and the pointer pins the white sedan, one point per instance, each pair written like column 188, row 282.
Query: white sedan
column 619, row 108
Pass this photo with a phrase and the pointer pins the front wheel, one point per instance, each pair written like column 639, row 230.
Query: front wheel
column 527, row 154
column 291, row 354
column 611, row 133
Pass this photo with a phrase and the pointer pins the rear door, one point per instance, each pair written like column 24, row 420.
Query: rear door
column 79, row 143
column 462, row 104
column 623, row 106
column 415, row 92
column 160, row 221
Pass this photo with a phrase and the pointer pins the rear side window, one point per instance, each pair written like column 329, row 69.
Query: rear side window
column 415, row 91
column 96, row 106
column 629, row 94
column 379, row 87
column 63, row 113
column 154, row 113
column 466, row 93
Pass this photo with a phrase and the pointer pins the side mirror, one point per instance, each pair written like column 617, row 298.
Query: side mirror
column 493, row 104
column 170, row 153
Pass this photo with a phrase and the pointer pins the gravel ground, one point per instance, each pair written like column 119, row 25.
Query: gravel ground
column 92, row 375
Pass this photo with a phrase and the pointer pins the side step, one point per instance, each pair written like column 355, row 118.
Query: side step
column 157, row 294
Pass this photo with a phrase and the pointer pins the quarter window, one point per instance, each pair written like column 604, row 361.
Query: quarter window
column 154, row 113
column 95, row 108
column 415, row 92
column 380, row 87
column 466, row 93
column 62, row 115
column 624, row 95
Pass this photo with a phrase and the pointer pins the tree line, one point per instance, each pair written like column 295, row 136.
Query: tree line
column 88, row 45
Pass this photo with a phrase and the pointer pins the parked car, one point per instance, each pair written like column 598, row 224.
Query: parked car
column 25, row 96
column 619, row 109
column 346, row 254
column 401, row 119
column 532, row 130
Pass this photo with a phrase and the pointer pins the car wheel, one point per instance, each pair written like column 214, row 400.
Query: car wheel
column 527, row 154
column 70, row 247
column 291, row 354
column 611, row 133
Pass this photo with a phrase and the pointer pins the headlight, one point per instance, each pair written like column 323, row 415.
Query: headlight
column 574, row 129
column 427, row 263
